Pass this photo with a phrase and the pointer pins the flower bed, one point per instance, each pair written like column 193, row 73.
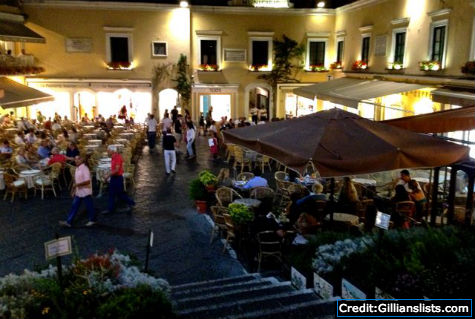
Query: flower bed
column 437, row 263
column 102, row 286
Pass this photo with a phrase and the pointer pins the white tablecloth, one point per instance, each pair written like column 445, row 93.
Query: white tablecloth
column 29, row 176
column 90, row 136
column 119, row 147
column 102, row 170
column 92, row 147
column 127, row 136
column 365, row 181
column 97, row 142
column 249, row 202
column 421, row 179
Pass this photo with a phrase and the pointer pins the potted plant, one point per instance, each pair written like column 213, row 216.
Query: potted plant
column 240, row 213
column 359, row 65
column 336, row 66
column 198, row 194
column 208, row 179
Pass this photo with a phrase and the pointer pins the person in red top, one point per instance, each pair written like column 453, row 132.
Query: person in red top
column 116, row 184
column 57, row 158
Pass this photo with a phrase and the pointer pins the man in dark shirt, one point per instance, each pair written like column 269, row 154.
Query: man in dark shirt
column 174, row 114
column 169, row 143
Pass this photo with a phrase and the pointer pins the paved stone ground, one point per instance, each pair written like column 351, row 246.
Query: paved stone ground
column 181, row 251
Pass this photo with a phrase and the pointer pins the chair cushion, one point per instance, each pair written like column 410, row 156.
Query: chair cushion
column 19, row 183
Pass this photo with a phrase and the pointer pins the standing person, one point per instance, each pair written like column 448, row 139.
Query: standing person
column 190, row 139
column 178, row 129
column 151, row 131
column 116, row 184
column 82, row 190
column 405, row 178
column 166, row 123
column 169, row 144
column 213, row 145
column 209, row 117
column 174, row 114
column 202, row 125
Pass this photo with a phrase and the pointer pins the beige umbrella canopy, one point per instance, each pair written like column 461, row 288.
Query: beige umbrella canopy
column 340, row 143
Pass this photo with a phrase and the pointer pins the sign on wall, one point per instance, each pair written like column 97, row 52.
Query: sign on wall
column 74, row 45
column 235, row 55
column 380, row 45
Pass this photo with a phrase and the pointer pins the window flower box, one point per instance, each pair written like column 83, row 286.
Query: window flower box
column 469, row 68
column 20, row 70
column 123, row 65
column 208, row 67
column 430, row 66
column 317, row 68
column 359, row 65
column 259, row 67
column 395, row 67
column 336, row 66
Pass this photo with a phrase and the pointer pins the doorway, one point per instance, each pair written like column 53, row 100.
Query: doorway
column 167, row 99
column 259, row 104
column 221, row 104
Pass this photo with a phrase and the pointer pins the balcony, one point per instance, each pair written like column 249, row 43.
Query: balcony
column 23, row 64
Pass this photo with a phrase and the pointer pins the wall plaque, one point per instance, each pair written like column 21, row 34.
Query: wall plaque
column 380, row 45
column 235, row 55
column 74, row 45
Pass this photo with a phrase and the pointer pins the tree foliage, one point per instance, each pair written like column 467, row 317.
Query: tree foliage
column 183, row 80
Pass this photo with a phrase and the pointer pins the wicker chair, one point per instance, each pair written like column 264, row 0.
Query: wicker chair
column 281, row 176
column 226, row 196
column 245, row 176
column 240, row 160
column 46, row 182
column 297, row 188
column 262, row 161
column 230, row 230
column 229, row 152
column 13, row 186
column 219, row 222
column 262, row 192
column 269, row 246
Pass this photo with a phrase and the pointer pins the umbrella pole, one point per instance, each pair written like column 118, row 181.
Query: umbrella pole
column 435, row 192
column 332, row 199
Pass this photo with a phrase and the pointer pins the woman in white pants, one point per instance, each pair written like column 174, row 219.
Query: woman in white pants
column 169, row 143
column 190, row 138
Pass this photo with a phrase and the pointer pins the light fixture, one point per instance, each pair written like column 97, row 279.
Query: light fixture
column 184, row 4
column 321, row 4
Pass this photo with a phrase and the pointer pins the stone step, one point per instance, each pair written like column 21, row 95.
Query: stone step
column 233, row 307
column 210, row 283
column 222, row 288
column 233, row 295
column 316, row 309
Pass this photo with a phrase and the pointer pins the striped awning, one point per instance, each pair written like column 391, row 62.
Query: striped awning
column 18, row 95
column 350, row 92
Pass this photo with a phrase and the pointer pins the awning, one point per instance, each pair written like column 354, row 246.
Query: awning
column 350, row 92
column 18, row 32
column 17, row 95
column 462, row 119
column 454, row 97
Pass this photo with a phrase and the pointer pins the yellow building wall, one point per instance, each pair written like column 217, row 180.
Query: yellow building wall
column 235, row 28
column 418, row 33
column 58, row 24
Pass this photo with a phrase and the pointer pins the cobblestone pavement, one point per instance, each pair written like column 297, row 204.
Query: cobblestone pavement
column 181, row 252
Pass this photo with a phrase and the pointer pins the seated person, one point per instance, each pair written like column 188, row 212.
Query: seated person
column 348, row 198
column 313, row 197
column 417, row 195
column 30, row 137
column 57, row 158
column 72, row 151
column 22, row 161
column 20, row 138
column 44, row 149
column 256, row 181
column 5, row 148
column 401, row 194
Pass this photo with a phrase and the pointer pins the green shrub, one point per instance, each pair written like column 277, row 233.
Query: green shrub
column 197, row 191
column 240, row 213
column 207, row 178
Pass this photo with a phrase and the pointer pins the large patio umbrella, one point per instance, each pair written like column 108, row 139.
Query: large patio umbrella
column 340, row 143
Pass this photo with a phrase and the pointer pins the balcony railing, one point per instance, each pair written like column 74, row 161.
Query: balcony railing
column 20, row 65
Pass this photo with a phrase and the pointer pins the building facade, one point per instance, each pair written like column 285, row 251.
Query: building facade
column 98, row 56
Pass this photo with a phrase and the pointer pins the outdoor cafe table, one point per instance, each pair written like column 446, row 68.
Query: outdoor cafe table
column 29, row 176
column 119, row 147
column 121, row 141
column 306, row 181
column 249, row 202
column 90, row 136
column 92, row 147
column 96, row 142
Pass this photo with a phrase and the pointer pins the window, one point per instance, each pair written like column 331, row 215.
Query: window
column 365, row 49
column 209, row 49
column 438, row 37
column 316, row 53
column 260, row 53
column 438, row 42
column 159, row 49
column 400, row 41
column 119, row 50
column 339, row 51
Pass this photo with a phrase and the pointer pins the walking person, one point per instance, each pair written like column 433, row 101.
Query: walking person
column 82, row 191
column 190, row 139
column 116, row 183
column 169, row 144
column 151, row 131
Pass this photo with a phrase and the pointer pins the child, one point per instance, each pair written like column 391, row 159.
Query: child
column 202, row 130
column 213, row 145
column 418, row 197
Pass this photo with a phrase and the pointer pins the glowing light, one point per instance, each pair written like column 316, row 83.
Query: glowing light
column 321, row 4
column 184, row 4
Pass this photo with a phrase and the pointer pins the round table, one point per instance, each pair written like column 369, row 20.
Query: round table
column 127, row 136
column 96, row 142
column 119, row 147
column 365, row 181
column 89, row 136
column 29, row 176
column 106, row 160
column 249, row 202
column 91, row 147
column 2, row 181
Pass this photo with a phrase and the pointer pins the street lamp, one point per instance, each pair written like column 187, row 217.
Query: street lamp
column 184, row 4
column 321, row 4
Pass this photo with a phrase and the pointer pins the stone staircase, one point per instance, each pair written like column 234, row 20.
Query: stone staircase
column 249, row 296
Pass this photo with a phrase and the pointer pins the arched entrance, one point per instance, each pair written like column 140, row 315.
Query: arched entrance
column 258, row 101
column 167, row 99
